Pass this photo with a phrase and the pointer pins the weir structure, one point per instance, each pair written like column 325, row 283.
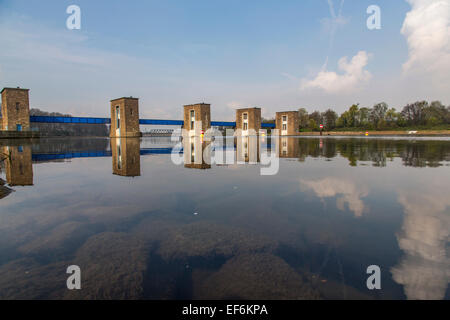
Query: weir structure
column 248, row 121
column 287, row 123
column 15, row 121
column 197, row 118
column 125, row 122
column 125, row 118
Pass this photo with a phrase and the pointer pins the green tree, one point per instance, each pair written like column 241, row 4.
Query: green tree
column 343, row 120
column 363, row 119
column 317, row 117
column 330, row 118
column 378, row 115
column 392, row 117
column 313, row 124
column 436, row 113
column 353, row 115
column 414, row 113
column 303, row 117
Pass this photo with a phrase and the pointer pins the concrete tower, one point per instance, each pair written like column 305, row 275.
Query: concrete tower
column 15, row 109
column 125, row 118
column 248, row 121
column 288, row 123
column 197, row 118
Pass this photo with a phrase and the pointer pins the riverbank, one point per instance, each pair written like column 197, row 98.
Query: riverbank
column 415, row 133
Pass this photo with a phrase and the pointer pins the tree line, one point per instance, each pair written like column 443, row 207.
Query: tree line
column 378, row 151
column 380, row 117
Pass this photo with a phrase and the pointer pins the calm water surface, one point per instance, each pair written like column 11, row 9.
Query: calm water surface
column 141, row 227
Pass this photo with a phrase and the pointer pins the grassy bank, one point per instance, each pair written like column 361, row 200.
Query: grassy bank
column 381, row 133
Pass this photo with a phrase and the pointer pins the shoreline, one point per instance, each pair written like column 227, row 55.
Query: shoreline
column 388, row 133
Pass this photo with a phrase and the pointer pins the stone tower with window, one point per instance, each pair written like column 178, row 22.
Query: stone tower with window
column 248, row 120
column 15, row 109
column 287, row 123
column 125, row 118
column 196, row 114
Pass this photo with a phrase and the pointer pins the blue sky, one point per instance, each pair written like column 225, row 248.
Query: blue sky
column 271, row 54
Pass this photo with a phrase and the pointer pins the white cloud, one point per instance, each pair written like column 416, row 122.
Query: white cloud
column 27, row 46
column 336, row 20
column 331, row 25
column 424, row 270
column 345, row 192
column 427, row 29
column 289, row 76
column 353, row 77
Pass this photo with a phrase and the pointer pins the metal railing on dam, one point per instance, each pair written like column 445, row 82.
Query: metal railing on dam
column 92, row 120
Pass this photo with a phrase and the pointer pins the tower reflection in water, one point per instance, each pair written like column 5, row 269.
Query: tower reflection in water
column 196, row 152
column 247, row 148
column 18, row 165
column 126, row 157
column 289, row 147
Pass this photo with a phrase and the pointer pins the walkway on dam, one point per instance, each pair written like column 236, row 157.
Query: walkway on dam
column 90, row 120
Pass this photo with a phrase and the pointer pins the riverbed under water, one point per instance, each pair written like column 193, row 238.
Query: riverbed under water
column 141, row 227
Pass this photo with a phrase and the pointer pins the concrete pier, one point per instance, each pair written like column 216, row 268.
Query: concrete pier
column 15, row 120
column 287, row 123
column 197, row 118
column 248, row 121
column 125, row 118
